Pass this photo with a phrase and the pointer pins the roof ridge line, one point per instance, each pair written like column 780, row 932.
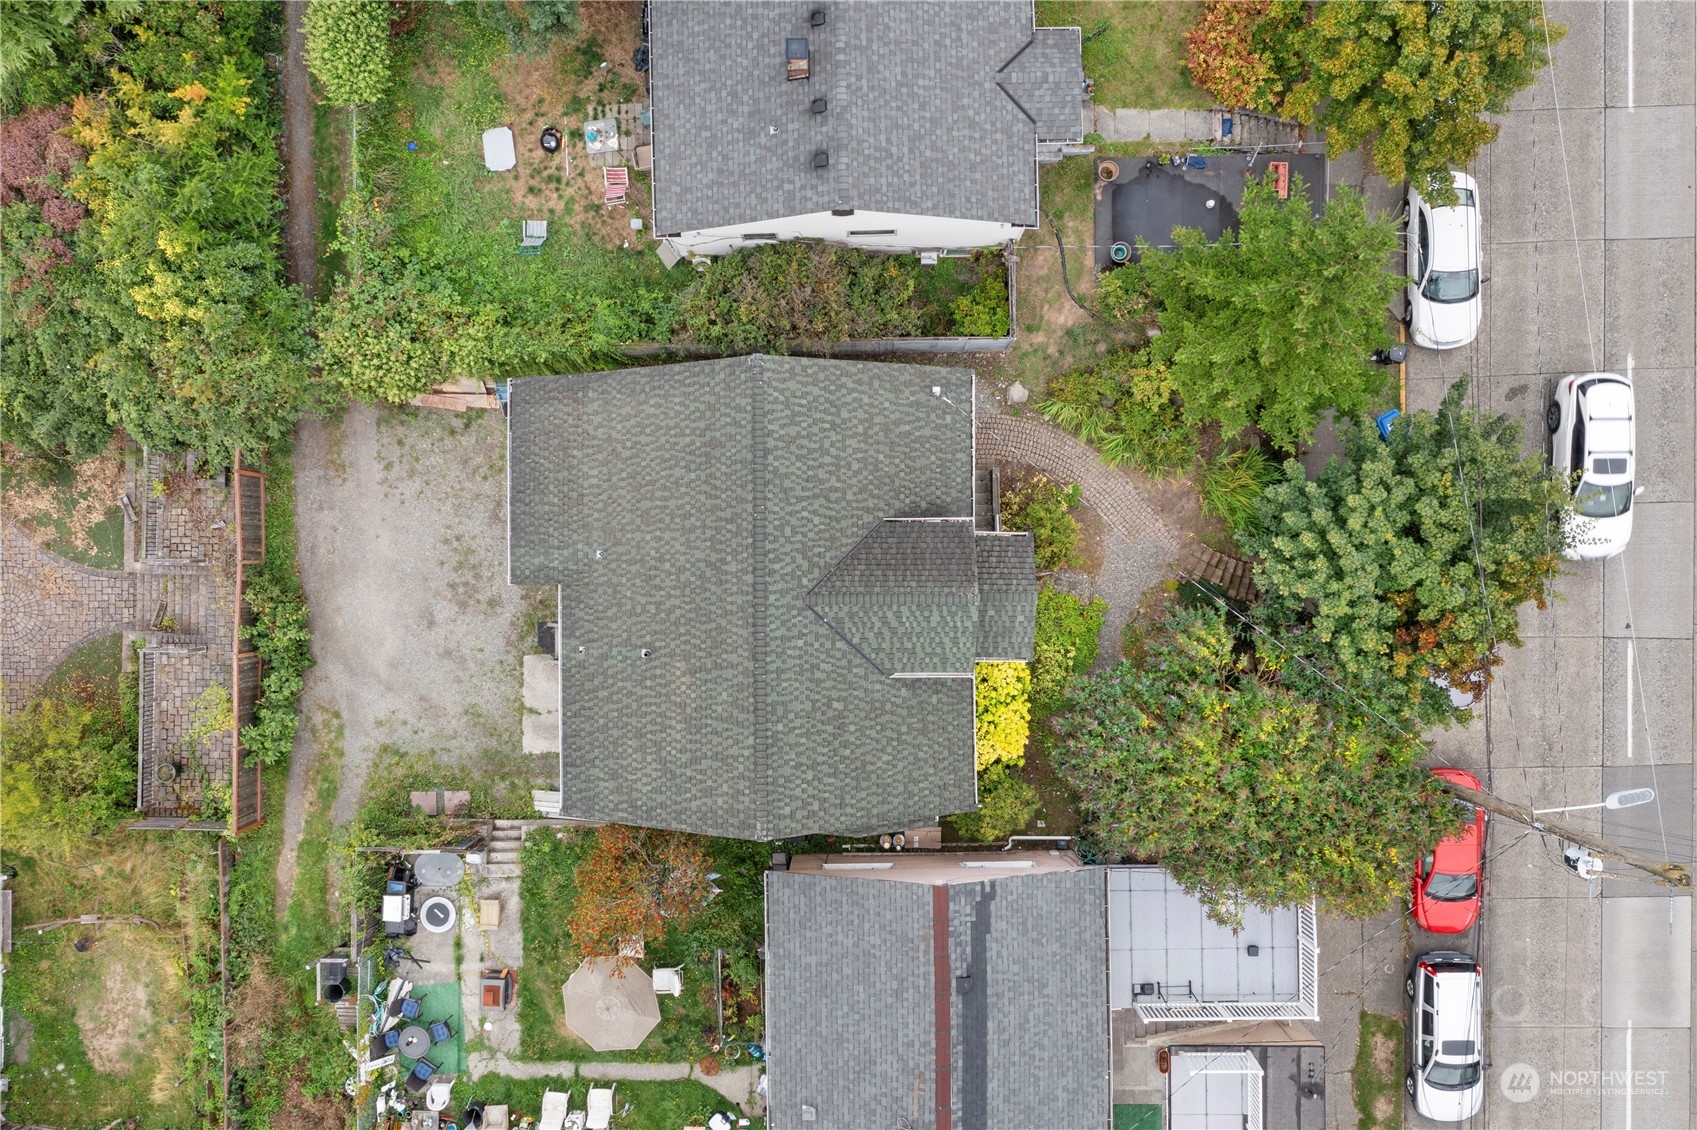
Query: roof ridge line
column 759, row 722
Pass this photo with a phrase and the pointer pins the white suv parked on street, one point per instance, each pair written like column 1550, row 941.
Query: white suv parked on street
column 1593, row 441
column 1446, row 1034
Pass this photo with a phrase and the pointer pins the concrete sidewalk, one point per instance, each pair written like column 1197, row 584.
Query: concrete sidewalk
column 735, row 1083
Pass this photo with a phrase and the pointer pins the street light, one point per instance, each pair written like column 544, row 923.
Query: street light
column 1626, row 798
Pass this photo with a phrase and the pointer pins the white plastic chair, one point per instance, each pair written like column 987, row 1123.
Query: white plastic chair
column 600, row 1108
column 554, row 1106
column 669, row 981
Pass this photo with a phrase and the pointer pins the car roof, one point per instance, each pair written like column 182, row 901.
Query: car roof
column 1608, row 400
column 1456, row 993
column 1453, row 238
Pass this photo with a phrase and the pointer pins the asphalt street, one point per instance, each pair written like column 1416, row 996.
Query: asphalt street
column 1590, row 211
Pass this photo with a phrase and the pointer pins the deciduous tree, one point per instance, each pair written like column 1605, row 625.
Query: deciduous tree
column 1408, row 560
column 67, row 770
column 637, row 883
column 1276, row 327
column 1411, row 80
column 1242, row 789
column 348, row 49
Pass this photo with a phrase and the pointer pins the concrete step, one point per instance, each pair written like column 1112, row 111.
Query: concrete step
column 501, row 870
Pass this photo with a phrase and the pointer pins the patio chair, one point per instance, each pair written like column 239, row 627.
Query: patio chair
column 600, row 1103
column 554, row 1107
column 418, row 1079
column 409, row 1008
column 440, row 1031
column 615, row 180
column 391, row 1040
column 535, row 234
column 669, row 981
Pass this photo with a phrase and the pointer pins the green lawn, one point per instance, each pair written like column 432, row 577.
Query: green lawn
column 654, row 1104
column 1133, row 49
column 91, row 669
column 1378, row 1073
column 733, row 921
column 105, row 1033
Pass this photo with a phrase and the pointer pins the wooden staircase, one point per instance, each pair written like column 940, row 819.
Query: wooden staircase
column 1231, row 575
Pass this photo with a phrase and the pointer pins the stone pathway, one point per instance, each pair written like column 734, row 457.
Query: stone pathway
column 735, row 1083
column 1141, row 546
column 1248, row 128
column 49, row 607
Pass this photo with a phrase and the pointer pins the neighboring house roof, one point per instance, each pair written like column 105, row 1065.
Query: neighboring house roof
column 696, row 517
column 932, row 109
column 855, row 992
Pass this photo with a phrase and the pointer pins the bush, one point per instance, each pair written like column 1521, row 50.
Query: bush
column 983, row 310
column 1066, row 645
column 1006, row 804
column 1220, row 53
column 1232, row 486
column 1035, row 505
column 1004, row 712
column 805, row 296
column 1125, row 408
column 69, row 773
column 347, row 49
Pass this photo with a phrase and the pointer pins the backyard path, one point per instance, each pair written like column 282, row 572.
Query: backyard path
column 403, row 554
column 301, row 221
column 1142, row 546
column 735, row 1083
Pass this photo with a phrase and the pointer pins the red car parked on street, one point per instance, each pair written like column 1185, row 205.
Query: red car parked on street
column 1449, row 883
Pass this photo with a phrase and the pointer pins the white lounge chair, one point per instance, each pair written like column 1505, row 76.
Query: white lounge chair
column 669, row 981
column 600, row 1108
column 554, row 1107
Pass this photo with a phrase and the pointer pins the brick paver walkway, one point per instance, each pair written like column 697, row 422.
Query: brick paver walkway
column 1141, row 547
column 49, row 607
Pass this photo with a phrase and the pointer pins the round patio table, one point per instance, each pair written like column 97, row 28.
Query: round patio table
column 438, row 869
column 415, row 1041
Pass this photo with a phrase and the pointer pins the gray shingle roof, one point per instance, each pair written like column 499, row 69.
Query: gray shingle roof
column 687, row 511
column 920, row 120
column 851, row 993
column 1007, row 612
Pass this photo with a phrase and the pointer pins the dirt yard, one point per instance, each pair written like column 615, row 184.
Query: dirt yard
column 402, row 546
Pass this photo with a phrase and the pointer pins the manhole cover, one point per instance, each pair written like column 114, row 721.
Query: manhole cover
column 438, row 915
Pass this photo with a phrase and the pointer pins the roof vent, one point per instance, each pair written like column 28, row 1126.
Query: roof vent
column 817, row 105
column 808, row 1114
column 647, row 652
column 821, row 159
column 816, row 18
column 795, row 59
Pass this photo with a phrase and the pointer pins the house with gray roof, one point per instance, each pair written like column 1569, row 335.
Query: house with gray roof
column 896, row 125
column 772, row 590
column 937, row 993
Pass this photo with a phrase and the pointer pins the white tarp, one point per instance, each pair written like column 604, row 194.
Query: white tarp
column 498, row 152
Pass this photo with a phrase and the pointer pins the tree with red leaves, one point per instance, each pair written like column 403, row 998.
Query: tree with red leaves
column 637, row 883
column 36, row 161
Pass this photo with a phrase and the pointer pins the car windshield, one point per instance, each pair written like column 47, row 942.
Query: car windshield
column 1453, row 1076
column 1596, row 501
column 1452, row 888
column 1451, row 286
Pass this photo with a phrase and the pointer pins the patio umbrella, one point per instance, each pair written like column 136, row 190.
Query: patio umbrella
column 610, row 1012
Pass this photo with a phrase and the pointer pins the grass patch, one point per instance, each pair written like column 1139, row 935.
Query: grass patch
column 1378, row 1073
column 655, row 1104
column 90, row 673
column 733, row 921
column 106, row 1032
column 1134, row 50
column 74, row 504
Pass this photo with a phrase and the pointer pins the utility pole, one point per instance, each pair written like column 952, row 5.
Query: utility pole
column 1669, row 874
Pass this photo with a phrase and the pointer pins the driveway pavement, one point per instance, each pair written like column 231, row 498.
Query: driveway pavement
column 1589, row 203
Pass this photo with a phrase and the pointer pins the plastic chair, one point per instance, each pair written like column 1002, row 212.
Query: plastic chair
column 600, row 1103
column 554, row 1107
column 669, row 981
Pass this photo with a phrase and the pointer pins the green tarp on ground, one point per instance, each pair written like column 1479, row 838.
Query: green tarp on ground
column 441, row 1002
column 1137, row 1116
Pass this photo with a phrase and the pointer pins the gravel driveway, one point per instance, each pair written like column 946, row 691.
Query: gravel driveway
column 403, row 551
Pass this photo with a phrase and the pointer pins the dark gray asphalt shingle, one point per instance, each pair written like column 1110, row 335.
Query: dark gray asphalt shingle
column 919, row 121
column 850, row 996
column 1007, row 608
column 688, row 510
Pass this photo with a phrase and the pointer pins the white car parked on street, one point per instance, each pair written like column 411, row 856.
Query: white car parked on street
column 1444, row 253
column 1446, row 1060
column 1593, row 440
